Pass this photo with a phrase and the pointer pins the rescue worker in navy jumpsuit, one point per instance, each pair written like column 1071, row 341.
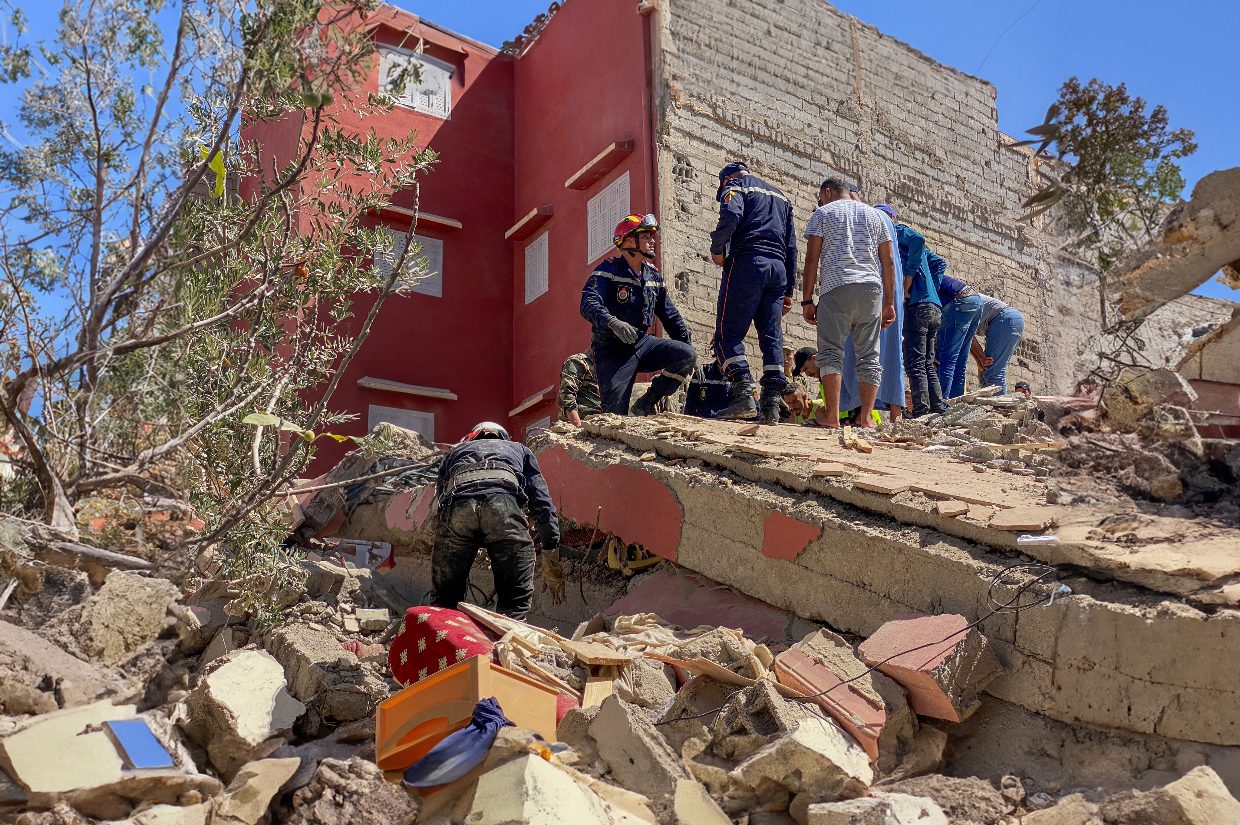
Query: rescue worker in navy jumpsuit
column 621, row 299
column 755, row 243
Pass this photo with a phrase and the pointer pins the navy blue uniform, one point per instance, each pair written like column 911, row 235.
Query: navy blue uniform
column 483, row 486
column 707, row 395
column 757, row 239
column 613, row 290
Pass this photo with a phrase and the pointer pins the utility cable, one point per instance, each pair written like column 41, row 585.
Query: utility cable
column 1010, row 606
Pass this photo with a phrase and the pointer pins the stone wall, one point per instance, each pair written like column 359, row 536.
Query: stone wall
column 838, row 97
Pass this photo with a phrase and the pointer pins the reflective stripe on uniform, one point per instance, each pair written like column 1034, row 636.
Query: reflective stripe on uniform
column 773, row 368
column 736, row 359
column 673, row 376
column 757, row 190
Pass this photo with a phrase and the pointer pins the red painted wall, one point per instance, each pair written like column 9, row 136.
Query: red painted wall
column 582, row 86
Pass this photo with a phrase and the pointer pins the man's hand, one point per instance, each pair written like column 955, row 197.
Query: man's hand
column 574, row 418
column 810, row 313
column 625, row 332
column 552, row 575
column 718, row 259
column 889, row 314
column 985, row 361
column 787, row 304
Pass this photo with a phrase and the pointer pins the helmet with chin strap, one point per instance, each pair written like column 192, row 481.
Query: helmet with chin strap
column 633, row 225
column 487, row 429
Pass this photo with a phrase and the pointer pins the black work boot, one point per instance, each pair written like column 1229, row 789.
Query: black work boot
column 646, row 404
column 741, row 405
column 768, row 406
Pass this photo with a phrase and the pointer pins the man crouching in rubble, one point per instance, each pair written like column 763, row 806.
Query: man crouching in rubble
column 483, row 486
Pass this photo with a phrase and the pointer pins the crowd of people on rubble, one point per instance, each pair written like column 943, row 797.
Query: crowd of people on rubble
column 894, row 330
column 883, row 306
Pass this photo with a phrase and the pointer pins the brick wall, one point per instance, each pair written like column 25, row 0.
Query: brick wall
column 838, row 97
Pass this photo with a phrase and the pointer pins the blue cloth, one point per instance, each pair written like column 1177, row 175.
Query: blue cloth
column 960, row 320
column 755, row 218
column 460, row 752
column 1002, row 336
column 618, row 363
column 890, row 352
column 751, row 291
column 514, row 457
column 614, row 290
column 914, row 259
column 707, row 396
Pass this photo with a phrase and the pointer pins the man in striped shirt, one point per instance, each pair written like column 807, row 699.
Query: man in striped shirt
column 849, row 258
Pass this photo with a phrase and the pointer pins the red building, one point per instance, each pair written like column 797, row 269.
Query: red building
column 534, row 173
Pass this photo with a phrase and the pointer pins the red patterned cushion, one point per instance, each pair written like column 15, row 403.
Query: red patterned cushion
column 432, row 639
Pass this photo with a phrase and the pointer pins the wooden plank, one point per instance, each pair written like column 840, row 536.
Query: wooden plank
column 828, row 469
column 529, row 223
column 887, row 485
column 1024, row 518
column 596, row 653
column 598, row 687
column 951, row 508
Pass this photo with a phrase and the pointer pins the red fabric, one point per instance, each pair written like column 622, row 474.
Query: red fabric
column 432, row 639
column 563, row 704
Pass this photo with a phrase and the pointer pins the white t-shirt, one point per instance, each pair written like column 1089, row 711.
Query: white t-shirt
column 851, row 233
column 991, row 307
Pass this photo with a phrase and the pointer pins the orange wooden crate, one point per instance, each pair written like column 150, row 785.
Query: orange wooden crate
column 411, row 722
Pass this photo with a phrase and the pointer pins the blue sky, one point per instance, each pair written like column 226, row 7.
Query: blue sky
column 1177, row 54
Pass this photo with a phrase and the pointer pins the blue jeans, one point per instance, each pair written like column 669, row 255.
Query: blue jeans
column 617, row 365
column 960, row 320
column 1002, row 336
column 921, row 329
column 751, row 293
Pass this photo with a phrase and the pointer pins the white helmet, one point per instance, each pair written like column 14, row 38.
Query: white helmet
column 487, row 429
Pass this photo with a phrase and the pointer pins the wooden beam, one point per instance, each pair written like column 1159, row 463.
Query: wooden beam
column 530, row 402
column 530, row 223
column 408, row 389
column 600, row 165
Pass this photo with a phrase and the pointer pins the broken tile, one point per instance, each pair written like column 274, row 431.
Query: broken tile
column 951, row 508
column 887, row 485
column 1017, row 519
column 949, row 665
column 748, row 429
column 828, row 469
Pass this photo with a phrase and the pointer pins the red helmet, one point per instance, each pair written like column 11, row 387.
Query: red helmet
column 632, row 225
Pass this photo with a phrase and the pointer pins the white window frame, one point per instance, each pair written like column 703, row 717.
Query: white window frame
column 603, row 212
column 537, row 267
column 432, row 251
column 415, row 420
column 413, row 97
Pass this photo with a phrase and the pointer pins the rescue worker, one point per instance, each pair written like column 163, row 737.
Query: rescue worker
column 756, row 245
column 483, row 485
column 621, row 299
column 579, row 396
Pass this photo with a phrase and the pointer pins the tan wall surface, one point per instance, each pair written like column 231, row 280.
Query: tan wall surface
column 839, row 97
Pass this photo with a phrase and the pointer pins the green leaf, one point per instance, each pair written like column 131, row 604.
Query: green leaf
column 1046, row 130
column 263, row 420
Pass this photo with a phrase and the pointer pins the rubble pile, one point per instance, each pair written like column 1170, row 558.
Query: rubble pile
column 143, row 704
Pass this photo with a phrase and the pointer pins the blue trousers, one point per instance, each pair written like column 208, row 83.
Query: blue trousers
column 618, row 364
column 1002, row 336
column 751, row 293
column 960, row 320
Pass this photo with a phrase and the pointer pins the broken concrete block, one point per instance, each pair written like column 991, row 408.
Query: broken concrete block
column 943, row 678
column 871, row 707
column 970, row 800
column 373, row 620
column 1071, row 810
column 533, row 791
column 66, row 756
column 880, row 809
column 32, row 661
column 127, row 613
column 752, row 718
column 638, row 755
column 351, row 790
column 1197, row 798
column 816, row 756
column 923, row 755
column 243, row 802
column 1130, row 399
column 646, row 683
column 692, row 805
column 725, row 647
column 223, row 643
column 239, row 707
column 324, row 675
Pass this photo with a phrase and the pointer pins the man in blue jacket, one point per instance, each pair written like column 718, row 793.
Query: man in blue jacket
column 621, row 299
column 483, row 486
column 756, row 245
